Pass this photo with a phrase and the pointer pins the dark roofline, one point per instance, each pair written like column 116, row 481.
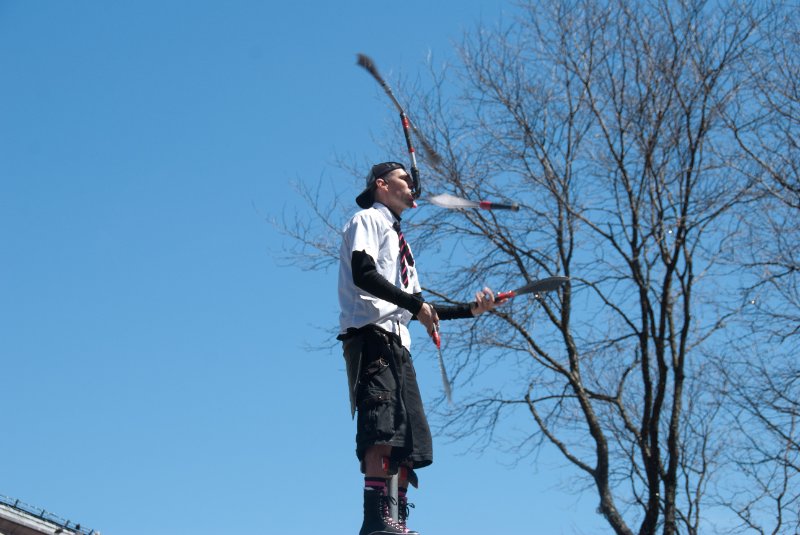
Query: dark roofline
column 41, row 514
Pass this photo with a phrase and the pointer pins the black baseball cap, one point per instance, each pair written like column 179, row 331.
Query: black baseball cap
column 367, row 197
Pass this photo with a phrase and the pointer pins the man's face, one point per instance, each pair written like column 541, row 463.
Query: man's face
column 395, row 190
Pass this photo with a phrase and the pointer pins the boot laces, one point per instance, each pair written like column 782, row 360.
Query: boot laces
column 386, row 501
column 403, row 512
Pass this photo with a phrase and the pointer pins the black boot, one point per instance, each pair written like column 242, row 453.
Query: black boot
column 377, row 519
column 402, row 515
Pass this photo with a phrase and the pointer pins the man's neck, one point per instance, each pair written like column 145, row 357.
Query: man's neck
column 392, row 211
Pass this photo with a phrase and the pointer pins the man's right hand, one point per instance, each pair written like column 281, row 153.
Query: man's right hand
column 428, row 317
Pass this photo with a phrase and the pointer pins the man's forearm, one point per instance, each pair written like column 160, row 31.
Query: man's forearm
column 366, row 277
column 454, row 312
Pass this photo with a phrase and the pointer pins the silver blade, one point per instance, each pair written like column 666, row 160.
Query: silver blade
column 543, row 285
column 445, row 381
column 445, row 200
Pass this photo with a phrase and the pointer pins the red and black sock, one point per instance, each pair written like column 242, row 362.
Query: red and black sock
column 375, row 483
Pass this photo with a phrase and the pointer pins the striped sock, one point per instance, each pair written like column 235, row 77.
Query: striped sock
column 375, row 483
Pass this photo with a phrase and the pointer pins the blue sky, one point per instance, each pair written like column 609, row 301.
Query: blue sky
column 155, row 365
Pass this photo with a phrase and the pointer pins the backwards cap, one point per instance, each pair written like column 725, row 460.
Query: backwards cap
column 367, row 197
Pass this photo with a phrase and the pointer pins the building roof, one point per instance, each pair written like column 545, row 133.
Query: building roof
column 20, row 518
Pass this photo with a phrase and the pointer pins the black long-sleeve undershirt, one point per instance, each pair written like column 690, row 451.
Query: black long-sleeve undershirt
column 366, row 277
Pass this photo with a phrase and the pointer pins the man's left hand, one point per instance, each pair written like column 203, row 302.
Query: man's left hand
column 484, row 302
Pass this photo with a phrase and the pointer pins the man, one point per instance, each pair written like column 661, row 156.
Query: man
column 379, row 293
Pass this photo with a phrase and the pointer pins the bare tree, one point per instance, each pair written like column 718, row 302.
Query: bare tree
column 763, row 405
column 764, row 378
column 767, row 129
column 610, row 122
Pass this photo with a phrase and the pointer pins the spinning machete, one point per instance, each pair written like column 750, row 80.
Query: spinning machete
column 366, row 62
column 445, row 200
column 536, row 287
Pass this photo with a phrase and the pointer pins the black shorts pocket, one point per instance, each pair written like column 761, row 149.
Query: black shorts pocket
column 374, row 368
column 376, row 414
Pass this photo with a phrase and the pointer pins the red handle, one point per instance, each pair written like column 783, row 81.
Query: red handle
column 436, row 338
column 505, row 295
column 489, row 205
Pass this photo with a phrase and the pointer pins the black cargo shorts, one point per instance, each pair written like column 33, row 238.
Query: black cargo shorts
column 388, row 402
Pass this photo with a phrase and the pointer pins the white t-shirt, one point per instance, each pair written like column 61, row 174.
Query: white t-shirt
column 371, row 231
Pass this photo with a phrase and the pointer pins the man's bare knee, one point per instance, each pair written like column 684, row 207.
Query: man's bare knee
column 374, row 460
